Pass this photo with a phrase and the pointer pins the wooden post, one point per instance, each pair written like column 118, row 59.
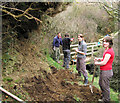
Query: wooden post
column 13, row 96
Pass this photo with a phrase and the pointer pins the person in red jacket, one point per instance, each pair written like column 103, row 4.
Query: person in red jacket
column 105, row 64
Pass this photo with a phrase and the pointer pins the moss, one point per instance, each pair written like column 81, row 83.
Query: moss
column 9, row 79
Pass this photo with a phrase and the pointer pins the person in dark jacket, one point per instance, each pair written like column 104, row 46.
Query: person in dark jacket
column 57, row 41
column 66, row 50
column 81, row 56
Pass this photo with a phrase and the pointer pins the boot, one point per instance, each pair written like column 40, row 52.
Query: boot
column 79, row 73
column 86, row 80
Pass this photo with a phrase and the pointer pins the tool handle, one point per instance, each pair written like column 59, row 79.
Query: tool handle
column 94, row 74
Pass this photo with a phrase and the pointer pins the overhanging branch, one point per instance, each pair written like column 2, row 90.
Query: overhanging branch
column 24, row 13
column 114, row 12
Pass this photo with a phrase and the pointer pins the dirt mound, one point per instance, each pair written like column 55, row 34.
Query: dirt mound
column 35, row 80
column 60, row 85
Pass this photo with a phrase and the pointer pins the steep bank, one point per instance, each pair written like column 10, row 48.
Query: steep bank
column 32, row 78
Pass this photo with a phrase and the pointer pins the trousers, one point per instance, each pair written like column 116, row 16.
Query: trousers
column 80, row 66
column 104, row 83
column 66, row 58
column 57, row 54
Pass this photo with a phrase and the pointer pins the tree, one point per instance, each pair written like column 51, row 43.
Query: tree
column 22, row 17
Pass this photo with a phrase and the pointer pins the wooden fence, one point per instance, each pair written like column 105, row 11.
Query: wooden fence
column 92, row 48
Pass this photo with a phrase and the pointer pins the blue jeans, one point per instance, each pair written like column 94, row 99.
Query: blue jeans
column 66, row 58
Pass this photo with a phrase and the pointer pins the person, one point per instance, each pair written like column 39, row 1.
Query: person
column 107, row 35
column 98, row 44
column 81, row 56
column 105, row 64
column 57, row 41
column 66, row 50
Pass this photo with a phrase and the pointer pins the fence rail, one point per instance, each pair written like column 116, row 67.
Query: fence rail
column 92, row 48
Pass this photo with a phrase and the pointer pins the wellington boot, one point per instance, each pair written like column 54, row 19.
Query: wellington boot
column 86, row 80
column 79, row 73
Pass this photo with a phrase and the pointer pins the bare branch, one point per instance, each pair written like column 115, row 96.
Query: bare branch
column 25, row 13
column 108, row 9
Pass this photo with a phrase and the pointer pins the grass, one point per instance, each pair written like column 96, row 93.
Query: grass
column 113, row 94
column 76, row 98
column 54, row 63
column 9, row 79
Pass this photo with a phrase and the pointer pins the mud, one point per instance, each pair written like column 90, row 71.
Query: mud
column 60, row 85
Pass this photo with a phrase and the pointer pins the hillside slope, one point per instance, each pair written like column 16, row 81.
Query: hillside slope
column 31, row 78
column 25, row 69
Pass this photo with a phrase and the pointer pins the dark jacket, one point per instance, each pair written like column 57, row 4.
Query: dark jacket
column 57, row 41
column 66, row 44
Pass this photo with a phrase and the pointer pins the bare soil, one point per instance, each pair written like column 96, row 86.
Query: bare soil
column 37, row 81
column 60, row 85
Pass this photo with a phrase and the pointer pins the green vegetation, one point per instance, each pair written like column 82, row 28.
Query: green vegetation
column 54, row 63
column 9, row 79
column 17, row 81
column 113, row 94
column 76, row 98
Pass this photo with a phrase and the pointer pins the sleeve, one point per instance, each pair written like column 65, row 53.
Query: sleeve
column 70, row 40
column 54, row 40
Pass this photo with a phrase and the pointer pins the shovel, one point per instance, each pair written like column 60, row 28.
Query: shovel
column 92, row 79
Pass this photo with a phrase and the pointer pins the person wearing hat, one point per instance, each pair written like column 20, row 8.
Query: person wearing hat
column 81, row 56
column 66, row 50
